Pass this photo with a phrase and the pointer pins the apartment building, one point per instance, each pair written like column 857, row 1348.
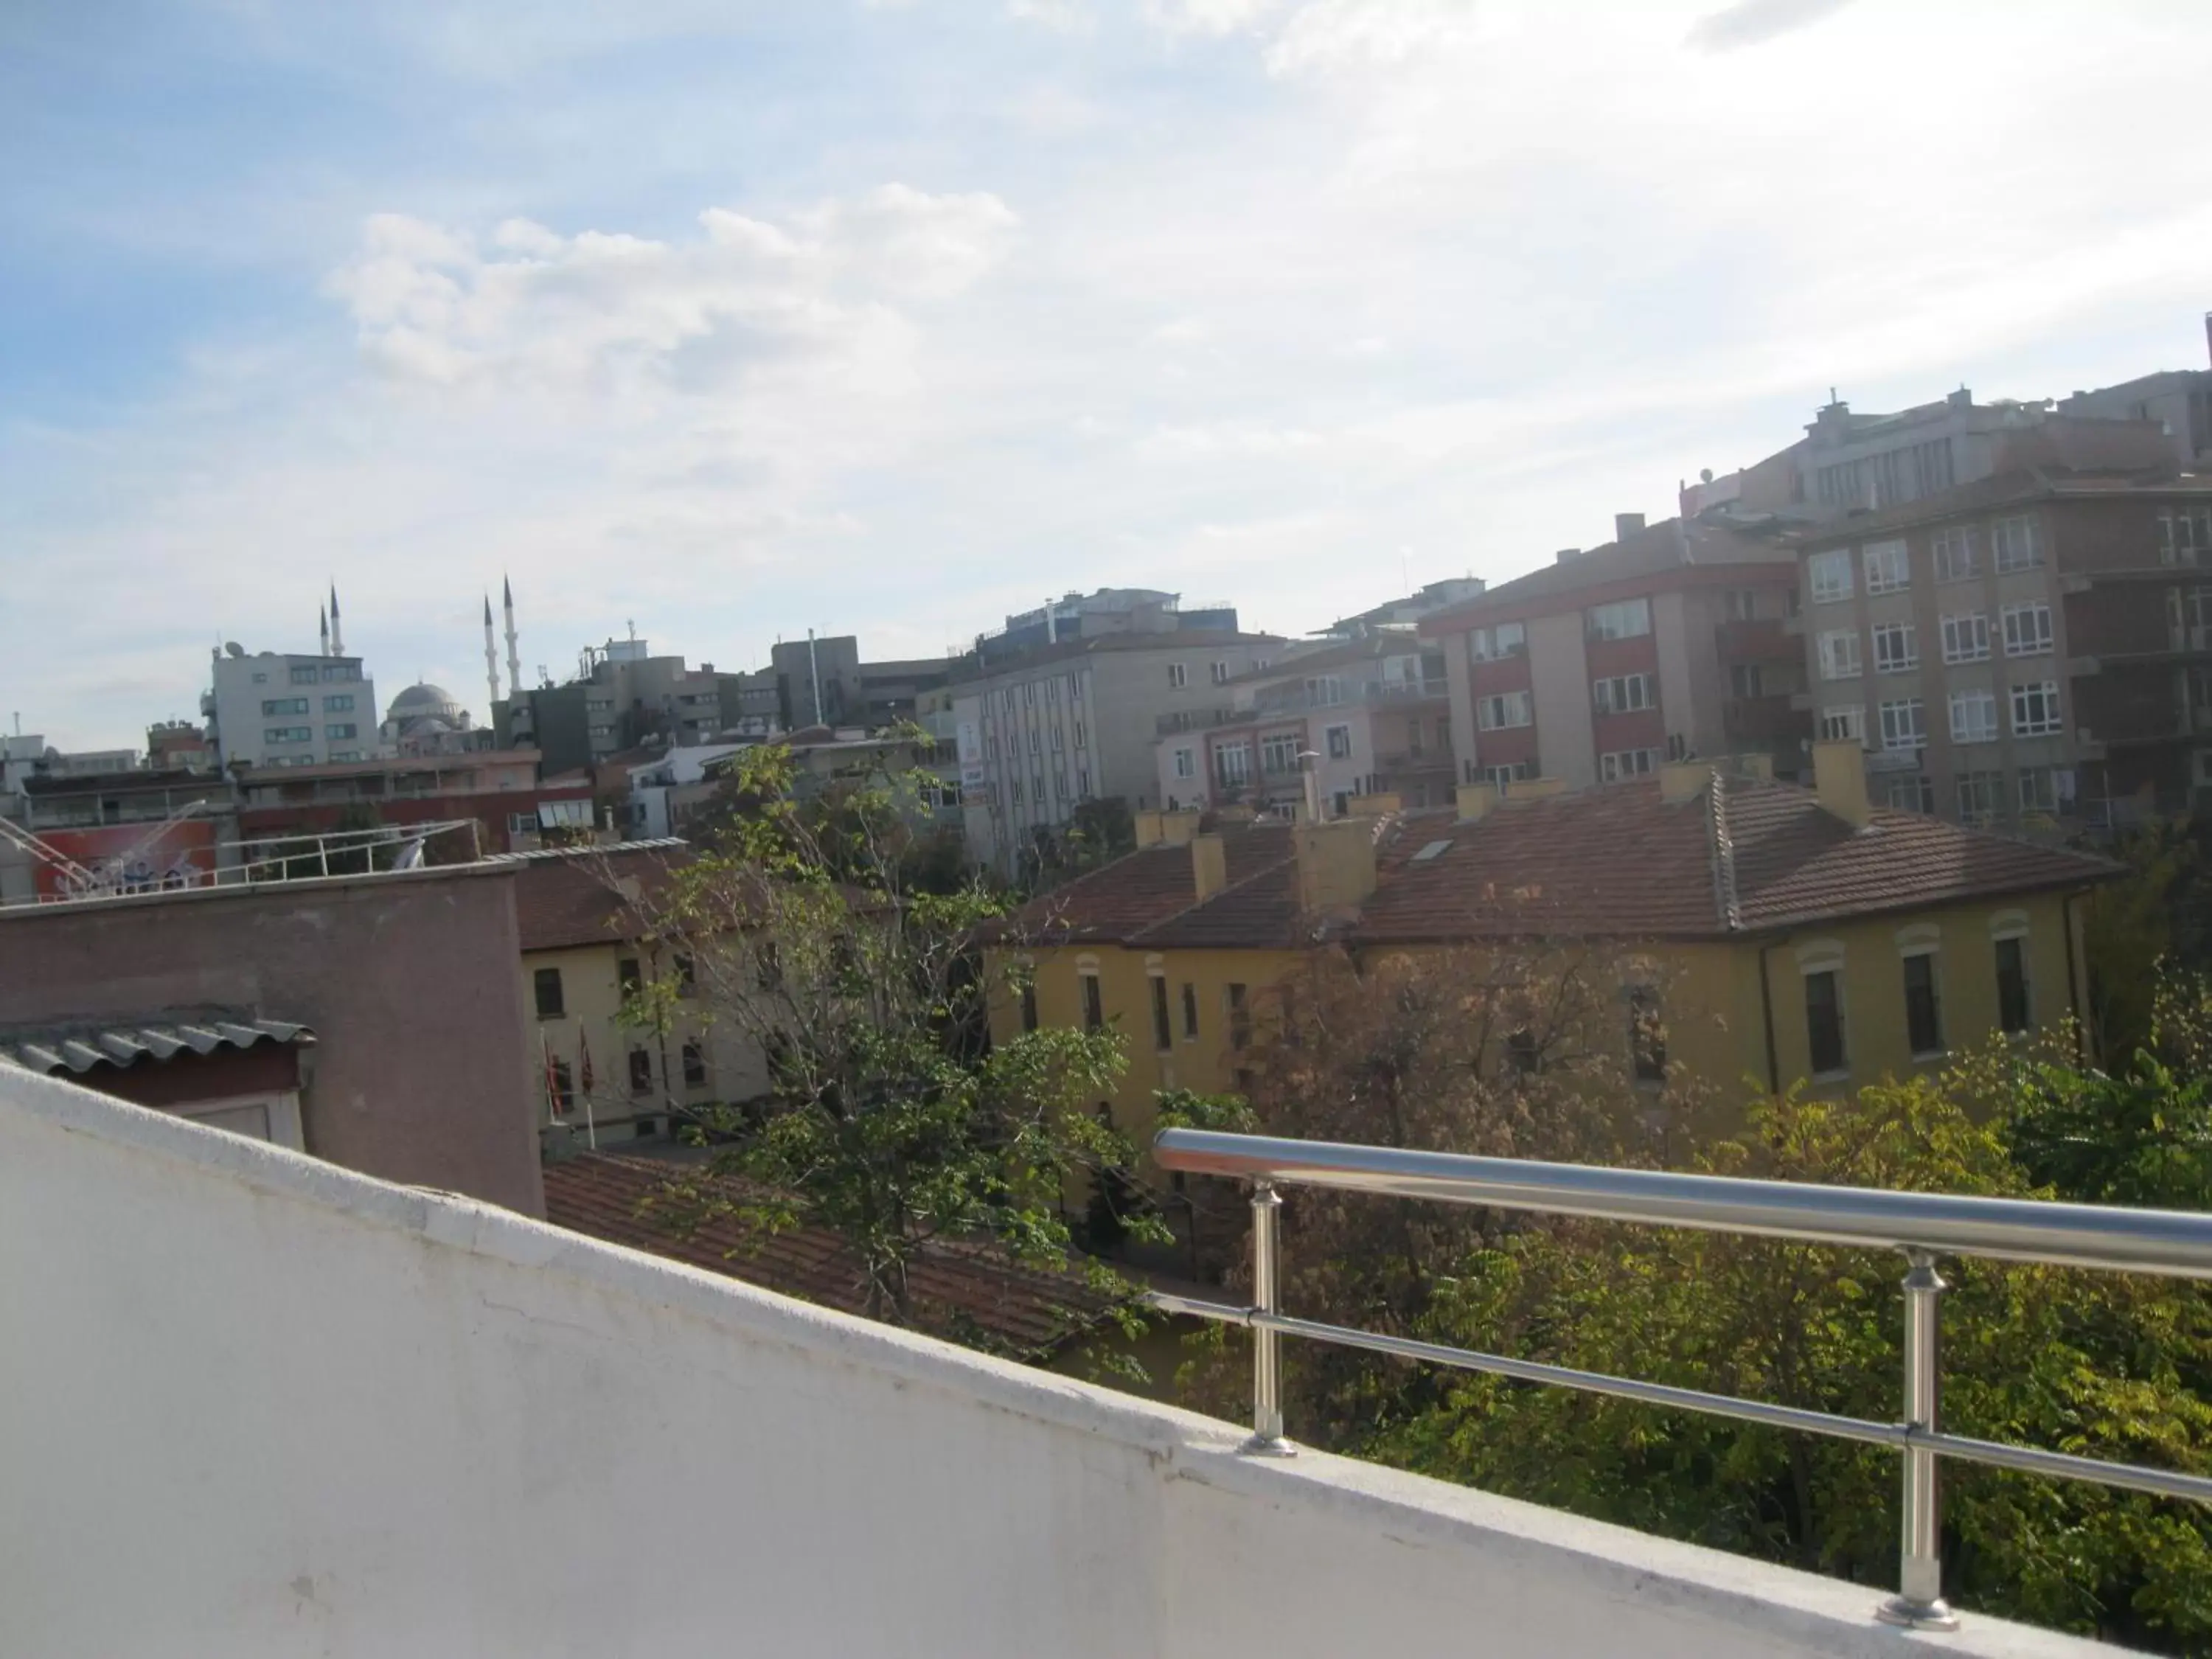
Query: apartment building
column 1666, row 642
column 2033, row 650
column 1758, row 926
column 824, row 682
column 1094, row 616
column 623, row 695
column 1374, row 712
column 1402, row 614
column 501, row 789
column 2178, row 401
column 1080, row 721
column 277, row 708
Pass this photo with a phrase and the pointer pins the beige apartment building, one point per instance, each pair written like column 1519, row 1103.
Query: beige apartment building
column 2033, row 651
column 1078, row 722
column 1665, row 644
column 1373, row 712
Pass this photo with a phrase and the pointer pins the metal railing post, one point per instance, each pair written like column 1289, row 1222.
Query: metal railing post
column 1919, row 1603
column 1267, row 1345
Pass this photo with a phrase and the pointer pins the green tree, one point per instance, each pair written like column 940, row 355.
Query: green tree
column 891, row 1117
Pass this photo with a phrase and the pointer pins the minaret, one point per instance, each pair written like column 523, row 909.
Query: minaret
column 323, row 618
column 491, row 660
column 514, row 656
column 337, row 632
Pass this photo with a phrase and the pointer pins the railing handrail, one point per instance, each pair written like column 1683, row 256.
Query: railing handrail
column 1921, row 1224
column 2173, row 1242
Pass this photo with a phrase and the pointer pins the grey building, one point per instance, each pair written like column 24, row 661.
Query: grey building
column 823, row 682
column 622, row 697
column 1110, row 611
column 1078, row 722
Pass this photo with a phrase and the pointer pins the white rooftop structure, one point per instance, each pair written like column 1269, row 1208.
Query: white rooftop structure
column 257, row 1404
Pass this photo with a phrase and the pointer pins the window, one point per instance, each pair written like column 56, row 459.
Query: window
column 1830, row 575
column 1647, row 1035
column 1507, row 709
column 2027, row 629
column 1079, row 734
column 1082, row 782
column 1903, row 724
column 1057, row 739
column 1094, row 1005
column 1028, row 694
column 546, row 983
column 1505, row 640
column 1910, row 791
column 1220, row 673
column 1325, row 691
column 2044, row 788
column 1232, row 762
column 272, row 706
column 1973, row 717
column 1280, row 753
column 1896, row 647
column 1075, row 687
column 640, row 1072
column 687, row 976
column 2013, row 1010
column 1036, row 788
column 1178, row 677
column 1824, row 1022
column 1966, row 639
column 628, row 978
column 1887, row 568
column 1413, row 744
column 1190, row 1011
column 1746, row 680
column 1621, row 694
column 694, row 1066
column 1843, row 721
column 1037, row 741
column 1498, row 776
column 340, row 704
column 1839, row 655
column 2184, row 536
column 1742, row 604
column 1338, row 739
column 1240, row 1017
column 2016, row 544
column 1627, row 763
column 287, row 735
column 1029, row 1006
column 1958, row 553
column 1981, row 797
column 305, row 674
column 2035, row 709
column 1016, row 787
column 261, row 679
column 1163, row 1032
column 564, row 1087
column 1185, row 762
column 1924, row 1008
column 1624, row 619
column 342, row 733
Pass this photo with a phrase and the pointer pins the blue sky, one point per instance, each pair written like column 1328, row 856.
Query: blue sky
column 728, row 321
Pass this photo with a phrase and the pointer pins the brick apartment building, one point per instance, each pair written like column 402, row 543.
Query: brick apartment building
column 1666, row 642
column 2030, row 650
column 501, row 790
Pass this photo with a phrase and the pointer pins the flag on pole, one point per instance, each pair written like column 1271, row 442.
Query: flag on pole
column 553, row 1101
column 586, row 1042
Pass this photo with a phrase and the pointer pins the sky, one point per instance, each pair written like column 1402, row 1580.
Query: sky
column 725, row 320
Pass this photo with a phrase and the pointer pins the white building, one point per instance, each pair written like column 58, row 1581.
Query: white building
column 276, row 708
column 1076, row 722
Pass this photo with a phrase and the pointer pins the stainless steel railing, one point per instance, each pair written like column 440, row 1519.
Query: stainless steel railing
column 1924, row 1225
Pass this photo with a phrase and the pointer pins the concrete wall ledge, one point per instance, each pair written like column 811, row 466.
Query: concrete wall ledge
column 297, row 1409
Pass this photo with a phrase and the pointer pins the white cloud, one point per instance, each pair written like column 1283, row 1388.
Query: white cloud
column 1208, row 17
column 1062, row 17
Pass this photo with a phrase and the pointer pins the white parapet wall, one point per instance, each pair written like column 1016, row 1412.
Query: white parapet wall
column 256, row 1405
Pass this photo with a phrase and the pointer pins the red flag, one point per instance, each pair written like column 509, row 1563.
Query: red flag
column 553, row 1101
column 586, row 1044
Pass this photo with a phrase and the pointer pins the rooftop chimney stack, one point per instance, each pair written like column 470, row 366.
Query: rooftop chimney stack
column 1839, row 780
column 1209, row 866
column 1568, row 555
column 1625, row 524
column 1335, row 864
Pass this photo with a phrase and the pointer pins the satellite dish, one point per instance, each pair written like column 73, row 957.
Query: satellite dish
column 234, row 648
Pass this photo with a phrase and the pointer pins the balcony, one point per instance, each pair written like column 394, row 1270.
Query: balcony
column 1763, row 719
column 1298, row 700
column 300, row 1410
column 1762, row 639
column 1196, row 719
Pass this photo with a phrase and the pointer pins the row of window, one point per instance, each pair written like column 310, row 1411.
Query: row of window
column 564, row 1079
column 1076, row 738
column 273, row 707
column 1982, row 794
column 1179, row 673
column 2026, row 629
column 1059, row 782
column 1619, row 766
column 1827, row 1043
column 1505, row 709
column 309, row 673
column 1903, row 721
column 2184, row 536
column 1237, row 1004
column 1621, row 694
column 1954, row 554
column 550, row 994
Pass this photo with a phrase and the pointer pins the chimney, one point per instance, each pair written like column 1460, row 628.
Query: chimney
column 1567, row 554
column 1534, row 788
column 1335, row 864
column 1475, row 800
column 1379, row 805
column 1625, row 524
column 1209, row 866
column 1681, row 780
column 1149, row 831
column 1177, row 828
column 1758, row 765
column 1839, row 779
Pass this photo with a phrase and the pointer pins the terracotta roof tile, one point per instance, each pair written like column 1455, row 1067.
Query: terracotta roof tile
column 958, row 1291
column 1615, row 862
column 573, row 899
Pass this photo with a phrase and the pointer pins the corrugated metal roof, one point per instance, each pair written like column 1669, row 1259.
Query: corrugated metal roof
column 79, row 1049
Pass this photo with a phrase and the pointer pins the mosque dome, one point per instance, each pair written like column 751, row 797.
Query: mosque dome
column 420, row 703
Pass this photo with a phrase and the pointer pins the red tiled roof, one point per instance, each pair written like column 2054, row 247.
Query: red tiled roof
column 573, row 899
column 1670, row 544
column 1614, row 862
column 958, row 1291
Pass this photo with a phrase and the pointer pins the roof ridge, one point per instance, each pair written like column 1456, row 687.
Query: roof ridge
column 1724, row 842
